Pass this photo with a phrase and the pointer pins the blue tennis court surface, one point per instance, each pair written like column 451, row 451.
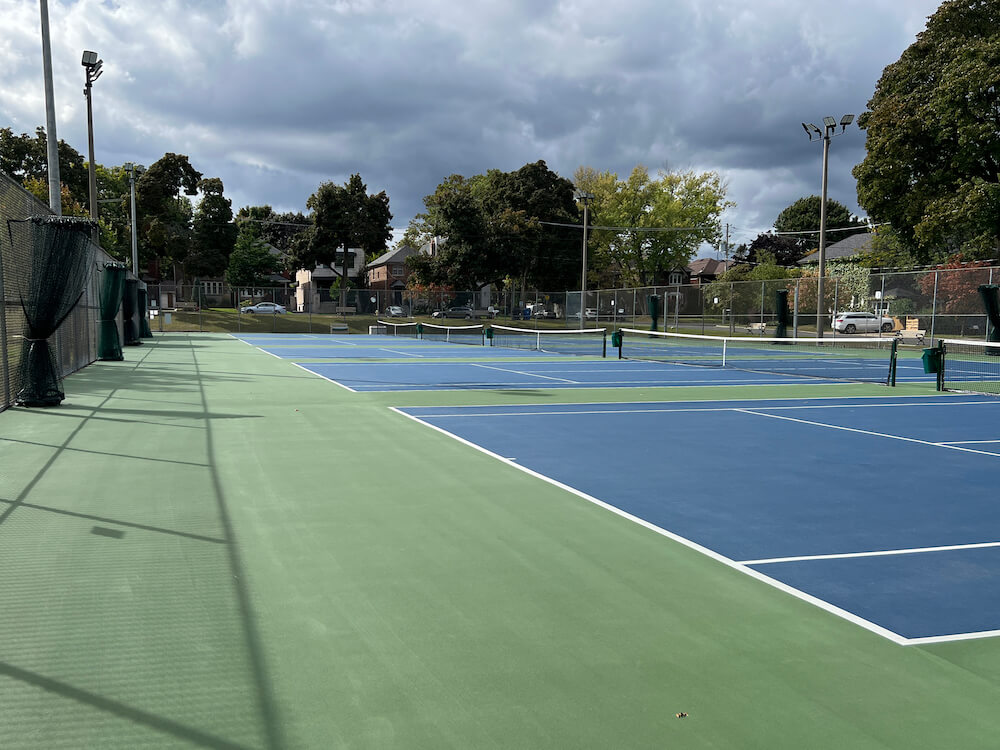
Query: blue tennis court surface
column 882, row 510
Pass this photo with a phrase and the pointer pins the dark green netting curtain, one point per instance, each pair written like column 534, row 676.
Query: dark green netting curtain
column 61, row 258
column 990, row 294
column 109, row 348
column 130, row 305
column 144, row 331
column 781, row 305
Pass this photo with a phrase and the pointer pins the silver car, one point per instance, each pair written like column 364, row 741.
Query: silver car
column 264, row 308
column 861, row 322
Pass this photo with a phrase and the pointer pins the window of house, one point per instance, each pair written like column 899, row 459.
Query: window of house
column 211, row 287
column 397, row 270
column 676, row 277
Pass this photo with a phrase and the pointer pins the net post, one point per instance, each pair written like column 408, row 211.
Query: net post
column 941, row 358
column 724, row 343
column 892, row 363
column 604, row 345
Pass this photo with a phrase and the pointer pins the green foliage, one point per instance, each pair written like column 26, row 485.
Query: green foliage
column 804, row 216
column 250, row 263
column 783, row 251
column 276, row 229
column 164, row 215
column 853, row 285
column 214, row 233
column 24, row 157
column 689, row 201
column 343, row 217
column 933, row 136
column 494, row 231
column 888, row 252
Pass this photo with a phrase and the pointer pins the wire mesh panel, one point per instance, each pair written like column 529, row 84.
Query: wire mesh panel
column 473, row 335
column 584, row 341
column 863, row 359
column 971, row 366
column 388, row 328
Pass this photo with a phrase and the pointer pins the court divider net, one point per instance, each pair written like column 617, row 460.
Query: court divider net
column 474, row 335
column 865, row 359
column 972, row 366
column 396, row 329
column 580, row 341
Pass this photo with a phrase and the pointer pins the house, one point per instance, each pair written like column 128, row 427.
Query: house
column 389, row 272
column 842, row 250
column 705, row 270
column 313, row 286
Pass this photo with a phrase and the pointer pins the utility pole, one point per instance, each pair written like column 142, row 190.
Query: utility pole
column 51, row 140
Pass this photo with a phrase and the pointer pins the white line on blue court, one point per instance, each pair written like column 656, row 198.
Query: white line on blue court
column 868, row 432
column 313, row 372
column 396, row 351
column 526, row 374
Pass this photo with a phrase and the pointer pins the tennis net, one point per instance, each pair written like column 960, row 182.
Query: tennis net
column 396, row 329
column 453, row 334
column 971, row 366
column 862, row 359
column 584, row 341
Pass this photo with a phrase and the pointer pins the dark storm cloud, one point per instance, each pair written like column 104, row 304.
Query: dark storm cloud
column 276, row 97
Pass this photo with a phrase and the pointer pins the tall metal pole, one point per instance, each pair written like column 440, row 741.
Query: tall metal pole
column 583, row 275
column 822, row 239
column 135, row 244
column 90, row 149
column 51, row 139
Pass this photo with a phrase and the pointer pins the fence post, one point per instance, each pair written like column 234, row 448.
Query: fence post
column 934, row 307
column 732, row 312
column 5, row 400
column 795, row 311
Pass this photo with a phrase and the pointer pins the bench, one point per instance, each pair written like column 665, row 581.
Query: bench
column 756, row 327
column 911, row 333
column 338, row 328
column 347, row 310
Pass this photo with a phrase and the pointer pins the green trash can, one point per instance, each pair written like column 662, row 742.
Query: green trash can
column 932, row 360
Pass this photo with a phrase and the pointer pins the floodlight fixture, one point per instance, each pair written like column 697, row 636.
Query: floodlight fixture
column 829, row 122
column 846, row 120
column 815, row 130
column 92, row 65
column 89, row 59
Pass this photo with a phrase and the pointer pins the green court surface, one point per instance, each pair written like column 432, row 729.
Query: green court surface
column 206, row 546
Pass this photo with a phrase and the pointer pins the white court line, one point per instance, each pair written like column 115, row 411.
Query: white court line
column 396, row 351
column 526, row 374
column 876, row 553
column 966, row 442
column 827, row 606
column 869, row 432
column 313, row 372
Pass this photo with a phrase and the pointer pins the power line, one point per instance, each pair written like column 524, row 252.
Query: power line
column 629, row 229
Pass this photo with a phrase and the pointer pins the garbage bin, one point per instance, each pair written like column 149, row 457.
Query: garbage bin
column 932, row 360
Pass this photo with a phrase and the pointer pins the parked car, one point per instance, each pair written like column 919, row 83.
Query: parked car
column 264, row 308
column 395, row 311
column 462, row 311
column 589, row 313
column 861, row 322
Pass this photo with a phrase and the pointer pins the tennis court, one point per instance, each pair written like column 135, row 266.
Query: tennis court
column 213, row 545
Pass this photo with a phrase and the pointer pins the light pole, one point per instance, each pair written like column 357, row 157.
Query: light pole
column 585, row 198
column 829, row 126
column 130, row 168
column 93, row 67
column 51, row 140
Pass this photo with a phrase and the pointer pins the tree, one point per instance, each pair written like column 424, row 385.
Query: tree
column 250, row 263
column 214, row 233
column 164, row 215
column 344, row 216
column 933, row 136
column 24, row 158
column 957, row 285
column 782, row 250
column 466, row 259
column 689, row 203
column 804, row 216
column 278, row 229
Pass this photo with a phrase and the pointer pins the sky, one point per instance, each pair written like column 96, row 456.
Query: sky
column 276, row 97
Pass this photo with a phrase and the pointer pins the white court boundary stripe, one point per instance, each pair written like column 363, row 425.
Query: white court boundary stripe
column 396, row 351
column 318, row 375
column 687, row 409
column 526, row 374
column 886, row 435
column 756, row 574
column 874, row 553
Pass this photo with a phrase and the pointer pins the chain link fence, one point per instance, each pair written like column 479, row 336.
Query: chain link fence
column 75, row 342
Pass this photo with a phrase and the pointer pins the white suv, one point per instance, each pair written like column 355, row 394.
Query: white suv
column 861, row 322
